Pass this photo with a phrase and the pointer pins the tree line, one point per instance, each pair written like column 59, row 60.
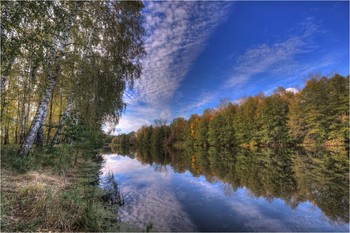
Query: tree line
column 317, row 114
column 124, row 140
column 64, row 68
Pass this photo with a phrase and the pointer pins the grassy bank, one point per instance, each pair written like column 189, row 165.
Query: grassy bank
column 55, row 189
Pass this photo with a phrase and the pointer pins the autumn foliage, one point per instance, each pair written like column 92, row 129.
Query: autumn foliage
column 317, row 114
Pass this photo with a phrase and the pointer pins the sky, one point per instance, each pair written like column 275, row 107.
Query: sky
column 199, row 53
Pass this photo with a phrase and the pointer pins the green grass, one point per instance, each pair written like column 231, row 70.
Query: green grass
column 54, row 189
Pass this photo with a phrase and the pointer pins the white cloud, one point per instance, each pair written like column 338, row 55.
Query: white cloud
column 129, row 123
column 175, row 41
column 205, row 98
column 292, row 89
column 148, row 196
column 277, row 58
column 265, row 58
column 138, row 116
column 177, row 32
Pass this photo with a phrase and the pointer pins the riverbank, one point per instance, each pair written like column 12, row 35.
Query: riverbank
column 312, row 145
column 54, row 189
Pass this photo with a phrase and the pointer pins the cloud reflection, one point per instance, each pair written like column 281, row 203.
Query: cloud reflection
column 173, row 201
column 148, row 196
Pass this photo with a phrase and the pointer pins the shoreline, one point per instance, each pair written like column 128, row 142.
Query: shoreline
column 50, row 194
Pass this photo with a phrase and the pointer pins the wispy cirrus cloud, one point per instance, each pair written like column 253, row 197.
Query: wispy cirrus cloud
column 275, row 58
column 148, row 195
column 176, row 34
column 204, row 98
column 280, row 58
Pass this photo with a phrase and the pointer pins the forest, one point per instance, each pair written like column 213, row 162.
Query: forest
column 316, row 115
column 64, row 68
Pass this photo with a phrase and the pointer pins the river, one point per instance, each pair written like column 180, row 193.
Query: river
column 233, row 190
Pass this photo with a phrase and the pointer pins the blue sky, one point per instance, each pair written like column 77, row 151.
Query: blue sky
column 201, row 52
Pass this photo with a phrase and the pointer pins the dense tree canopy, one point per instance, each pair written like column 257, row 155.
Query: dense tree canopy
column 317, row 114
column 66, row 64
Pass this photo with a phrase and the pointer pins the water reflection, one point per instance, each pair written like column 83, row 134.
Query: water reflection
column 293, row 176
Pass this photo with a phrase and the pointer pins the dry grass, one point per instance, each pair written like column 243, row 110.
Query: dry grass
column 32, row 178
column 52, row 191
column 60, row 196
column 37, row 199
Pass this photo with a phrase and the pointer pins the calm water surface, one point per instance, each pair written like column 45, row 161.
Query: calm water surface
column 238, row 190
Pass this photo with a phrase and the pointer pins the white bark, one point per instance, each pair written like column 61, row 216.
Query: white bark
column 21, row 123
column 50, row 122
column 5, row 74
column 40, row 134
column 62, row 122
column 27, row 114
column 33, row 130
column 54, row 69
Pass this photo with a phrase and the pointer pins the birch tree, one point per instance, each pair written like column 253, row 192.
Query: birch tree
column 83, row 54
column 60, row 41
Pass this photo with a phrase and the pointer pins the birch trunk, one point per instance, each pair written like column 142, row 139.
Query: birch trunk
column 18, row 115
column 50, row 121
column 62, row 122
column 23, row 110
column 5, row 74
column 7, row 126
column 40, row 134
column 54, row 69
column 27, row 115
column 36, row 123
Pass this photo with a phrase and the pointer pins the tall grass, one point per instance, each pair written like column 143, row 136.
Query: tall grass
column 56, row 189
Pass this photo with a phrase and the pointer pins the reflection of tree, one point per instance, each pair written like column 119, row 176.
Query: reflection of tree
column 158, row 156
column 160, row 168
column 121, row 150
column 293, row 175
column 323, row 179
column 144, row 156
column 106, row 150
column 228, row 189
column 180, row 160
